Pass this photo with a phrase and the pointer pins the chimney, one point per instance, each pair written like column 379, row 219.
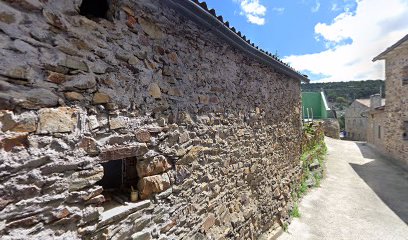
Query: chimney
column 375, row 101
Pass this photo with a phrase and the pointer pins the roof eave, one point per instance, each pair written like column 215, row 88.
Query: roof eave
column 193, row 10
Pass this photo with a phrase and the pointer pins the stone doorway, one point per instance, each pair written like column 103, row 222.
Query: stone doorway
column 120, row 176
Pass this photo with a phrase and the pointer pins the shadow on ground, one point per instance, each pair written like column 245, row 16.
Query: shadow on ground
column 387, row 180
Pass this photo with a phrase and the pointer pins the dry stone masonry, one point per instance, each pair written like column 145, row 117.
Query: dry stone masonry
column 98, row 101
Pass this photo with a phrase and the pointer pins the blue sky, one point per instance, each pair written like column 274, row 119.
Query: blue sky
column 330, row 40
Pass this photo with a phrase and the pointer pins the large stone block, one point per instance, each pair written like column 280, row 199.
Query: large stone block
column 57, row 120
column 153, row 166
column 115, row 153
column 12, row 96
column 153, row 184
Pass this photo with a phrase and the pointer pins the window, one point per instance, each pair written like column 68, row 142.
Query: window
column 94, row 8
column 405, row 75
column 379, row 131
column 405, row 128
column 118, row 179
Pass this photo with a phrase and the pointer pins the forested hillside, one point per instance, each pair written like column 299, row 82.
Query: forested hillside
column 341, row 94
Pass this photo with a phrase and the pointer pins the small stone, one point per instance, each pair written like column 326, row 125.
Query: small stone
column 157, row 165
column 25, row 122
column 166, row 71
column 74, row 63
column 80, row 81
column 154, row 91
column 203, row 99
column 141, row 236
column 55, row 77
column 128, row 10
column 151, row 29
column 161, row 122
column 89, row 145
column 61, row 213
column 214, row 100
column 168, row 226
column 6, row 120
column 192, row 155
column 150, row 64
column 184, row 137
column 7, row 17
column 131, row 21
column 18, row 73
column 8, row 142
column 175, row 92
column 153, row 184
column 56, row 120
column 117, row 122
column 208, row 223
column 74, row 96
column 93, row 122
column 173, row 57
column 133, row 60
column 143, row 136
column 100, row 98
column 160, row 50
column 141, row 55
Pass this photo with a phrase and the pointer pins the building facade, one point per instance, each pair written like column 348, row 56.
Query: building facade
column 394, row 116
column 141, row 119
column 356, row 118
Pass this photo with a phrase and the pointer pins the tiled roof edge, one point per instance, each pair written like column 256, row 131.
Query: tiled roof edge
column 200, row 12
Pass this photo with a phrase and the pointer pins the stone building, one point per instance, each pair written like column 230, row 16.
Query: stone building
column 356, row 118
column 156, row 101
column 376, row 123
column 389, row 124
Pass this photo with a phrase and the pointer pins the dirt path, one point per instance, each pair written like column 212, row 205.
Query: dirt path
column 363, row 196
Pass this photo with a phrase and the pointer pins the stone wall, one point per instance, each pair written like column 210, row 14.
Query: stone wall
column 376, row 129
column 396, row 109
column 356, row 121
column 213, row 135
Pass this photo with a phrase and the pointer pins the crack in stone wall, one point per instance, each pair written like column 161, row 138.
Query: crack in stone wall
column 215, row 134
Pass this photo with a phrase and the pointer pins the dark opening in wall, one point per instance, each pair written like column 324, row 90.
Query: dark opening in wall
column 94, row 8
column 405, row 75
column 118, row 179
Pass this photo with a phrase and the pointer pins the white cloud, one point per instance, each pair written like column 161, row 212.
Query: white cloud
column 279, row 10
column 253, row 10
column 316, row 7
column 335, row 7
column 255, row 19
column 354, row 39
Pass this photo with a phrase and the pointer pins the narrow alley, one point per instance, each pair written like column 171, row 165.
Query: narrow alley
column 363, row 196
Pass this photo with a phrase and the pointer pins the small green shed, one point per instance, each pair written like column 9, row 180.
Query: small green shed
column 314, row 105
